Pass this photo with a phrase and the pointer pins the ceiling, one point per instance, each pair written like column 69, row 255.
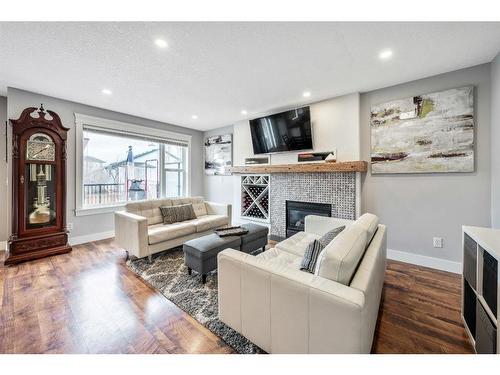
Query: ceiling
column 215, row 70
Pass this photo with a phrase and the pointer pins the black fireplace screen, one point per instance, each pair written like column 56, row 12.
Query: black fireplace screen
column 297, row 211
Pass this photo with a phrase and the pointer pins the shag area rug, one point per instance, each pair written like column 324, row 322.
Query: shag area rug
column 168, row 274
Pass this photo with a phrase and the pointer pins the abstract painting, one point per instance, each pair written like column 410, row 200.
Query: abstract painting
column 430, row 133
column 218, row 154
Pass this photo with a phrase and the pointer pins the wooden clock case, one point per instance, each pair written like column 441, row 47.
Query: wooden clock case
column 31, row 241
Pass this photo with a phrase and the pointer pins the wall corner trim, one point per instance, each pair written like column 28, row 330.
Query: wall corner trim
column 425, row 261
column 77, row 240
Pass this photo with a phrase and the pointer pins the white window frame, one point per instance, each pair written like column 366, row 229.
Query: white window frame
column 125, row 128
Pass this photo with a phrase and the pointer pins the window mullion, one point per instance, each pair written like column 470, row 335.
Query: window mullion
column 163, row 179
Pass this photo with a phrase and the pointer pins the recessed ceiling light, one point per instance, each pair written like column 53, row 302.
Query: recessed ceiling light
column 194, row 117
column 161, row 43
column 244, row 112
column 306, row 94
column 106, row 91
column 385, row 54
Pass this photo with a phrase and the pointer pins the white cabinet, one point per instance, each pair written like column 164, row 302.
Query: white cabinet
column 481, row 287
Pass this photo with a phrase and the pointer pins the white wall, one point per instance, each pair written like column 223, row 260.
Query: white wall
column 89, row 227
column 3, row 174
column 416, row 208
column 495, row 142
column 335, row 124
column 218, row 188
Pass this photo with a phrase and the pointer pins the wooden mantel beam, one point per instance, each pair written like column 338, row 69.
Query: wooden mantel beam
column 344, row 166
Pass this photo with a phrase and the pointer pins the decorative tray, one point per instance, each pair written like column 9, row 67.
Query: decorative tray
column 231, row 231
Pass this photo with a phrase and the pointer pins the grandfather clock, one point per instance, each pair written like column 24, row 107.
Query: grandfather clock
column 38, row 186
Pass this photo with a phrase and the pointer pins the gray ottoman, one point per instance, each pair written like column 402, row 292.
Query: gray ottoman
column 256, row 238
column 200, row 254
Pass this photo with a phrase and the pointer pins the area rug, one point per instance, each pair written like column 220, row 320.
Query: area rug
column 168, row 274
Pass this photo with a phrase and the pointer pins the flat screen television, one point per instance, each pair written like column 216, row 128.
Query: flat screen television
column 281, row 132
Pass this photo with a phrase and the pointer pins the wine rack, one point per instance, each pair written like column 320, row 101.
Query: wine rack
column 255, row 197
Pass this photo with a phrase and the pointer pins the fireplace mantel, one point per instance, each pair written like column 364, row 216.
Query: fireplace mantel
column 344, row 166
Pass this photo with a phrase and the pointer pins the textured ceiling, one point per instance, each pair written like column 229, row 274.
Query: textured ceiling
column 215, row 70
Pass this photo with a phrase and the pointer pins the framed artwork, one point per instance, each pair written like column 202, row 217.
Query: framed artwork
column 218, row 154
column 430, row 133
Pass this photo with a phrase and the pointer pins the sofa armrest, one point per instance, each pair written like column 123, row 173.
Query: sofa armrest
column 321, row 224
column 283, row 310
column 131, row 233
column 219, row 209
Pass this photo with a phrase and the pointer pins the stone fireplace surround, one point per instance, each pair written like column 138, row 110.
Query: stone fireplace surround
column 335, row 188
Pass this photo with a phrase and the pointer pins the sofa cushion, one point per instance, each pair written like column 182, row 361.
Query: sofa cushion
column 175, row 214
column 180, row 200
column 148, row 209
column 370, row 223
column 200, row 209
column 207, row 222
column 297, row 243
column 159, row 232
column 339, row 260
column 277, row 257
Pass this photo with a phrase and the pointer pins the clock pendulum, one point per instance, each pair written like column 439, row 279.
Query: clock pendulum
column 41, row 213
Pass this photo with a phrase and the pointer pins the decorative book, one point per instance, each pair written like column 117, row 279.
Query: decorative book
column 231, row 231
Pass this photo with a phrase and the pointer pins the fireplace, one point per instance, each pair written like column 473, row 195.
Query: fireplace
column 297, row 211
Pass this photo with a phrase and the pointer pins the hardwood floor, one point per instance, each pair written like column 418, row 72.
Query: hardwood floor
column 88, row 301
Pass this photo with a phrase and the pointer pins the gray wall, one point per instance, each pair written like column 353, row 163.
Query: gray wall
column 3, row 172
column 95, row 224
column 495, row 142
column 218, row 188
column 416, row 208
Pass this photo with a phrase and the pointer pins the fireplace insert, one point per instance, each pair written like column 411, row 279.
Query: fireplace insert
column 297, row 211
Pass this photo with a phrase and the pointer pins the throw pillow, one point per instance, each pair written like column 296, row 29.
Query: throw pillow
column 174, row 214
column 329, row 236
column 325, row 241
column 311, row 256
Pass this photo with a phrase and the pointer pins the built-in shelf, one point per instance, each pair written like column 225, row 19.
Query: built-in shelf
column 481, row 287
column 255, row 197
column 345, row 166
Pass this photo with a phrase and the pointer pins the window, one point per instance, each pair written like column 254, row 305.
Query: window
column 118, row 164
column 175, row 172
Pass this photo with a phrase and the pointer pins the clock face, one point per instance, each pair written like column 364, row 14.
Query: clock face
column 40, row 147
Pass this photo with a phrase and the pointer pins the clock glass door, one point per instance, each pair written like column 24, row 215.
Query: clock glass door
column 39, row 182
column 40, row 195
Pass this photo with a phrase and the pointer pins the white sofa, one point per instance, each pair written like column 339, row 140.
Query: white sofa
column 281, row 309
column 141, row 232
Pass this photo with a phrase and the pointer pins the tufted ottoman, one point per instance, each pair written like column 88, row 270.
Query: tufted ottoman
column 200, row 254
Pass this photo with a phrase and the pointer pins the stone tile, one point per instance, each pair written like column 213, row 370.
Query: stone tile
column 337, row 189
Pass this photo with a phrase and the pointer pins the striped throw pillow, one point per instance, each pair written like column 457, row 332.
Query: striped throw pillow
column 311, row 256
column 314, row 249
column 174, row 214
column 329, row 236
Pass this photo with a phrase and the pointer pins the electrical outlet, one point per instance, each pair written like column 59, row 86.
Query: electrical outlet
column 437, row 242
column 69, row 227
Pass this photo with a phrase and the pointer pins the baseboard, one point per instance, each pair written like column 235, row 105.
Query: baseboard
column 77, row 240
column 3, row 245
column 422, row 260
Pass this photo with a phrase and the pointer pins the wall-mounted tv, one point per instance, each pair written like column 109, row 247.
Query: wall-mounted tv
column 281, row 132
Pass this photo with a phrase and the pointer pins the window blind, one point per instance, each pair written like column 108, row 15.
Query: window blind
column 129, row 134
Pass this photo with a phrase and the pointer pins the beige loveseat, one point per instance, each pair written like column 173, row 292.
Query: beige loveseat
column 281, row 309
column 141, row 232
